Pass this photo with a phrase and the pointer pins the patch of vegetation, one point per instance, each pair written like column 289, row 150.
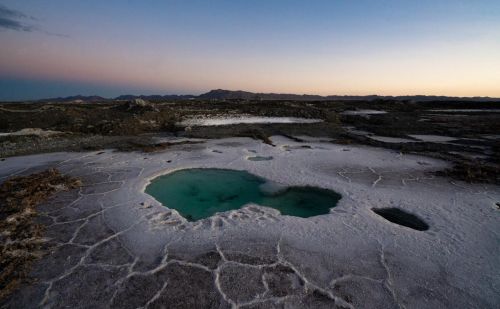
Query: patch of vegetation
column 473, row 172
column 103, row 118
column 134, row 145
column 21, row 239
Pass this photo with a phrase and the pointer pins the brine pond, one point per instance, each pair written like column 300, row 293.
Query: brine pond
column 200, row 193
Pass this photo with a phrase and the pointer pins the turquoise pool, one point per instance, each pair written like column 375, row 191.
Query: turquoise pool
column 200, row 193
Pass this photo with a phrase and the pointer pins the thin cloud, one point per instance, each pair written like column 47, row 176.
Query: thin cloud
column 13, row 20
column 59, row 35
column 18, row 21
column 12, row 24
column 6, row 12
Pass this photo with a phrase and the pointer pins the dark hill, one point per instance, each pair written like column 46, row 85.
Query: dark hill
column 222, row 94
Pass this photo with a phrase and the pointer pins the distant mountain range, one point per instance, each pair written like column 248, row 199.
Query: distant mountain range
column 156, row 97
column 76, row 98
column 127, row 97
column 221, row 94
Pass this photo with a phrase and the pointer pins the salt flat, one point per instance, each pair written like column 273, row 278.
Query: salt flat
column 363, row 112
column 224, row 120
column 466, row 110
column 433, row 138
column 115, row 246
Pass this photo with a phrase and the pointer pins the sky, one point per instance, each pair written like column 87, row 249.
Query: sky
column 54, row 48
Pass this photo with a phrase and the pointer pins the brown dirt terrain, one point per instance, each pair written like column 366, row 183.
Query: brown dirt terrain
column 21, row 238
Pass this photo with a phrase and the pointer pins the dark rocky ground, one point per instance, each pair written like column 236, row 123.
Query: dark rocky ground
column 21, row 237
column 128, row 126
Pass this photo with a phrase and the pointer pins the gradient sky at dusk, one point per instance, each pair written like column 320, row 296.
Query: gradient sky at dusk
column 387, row 47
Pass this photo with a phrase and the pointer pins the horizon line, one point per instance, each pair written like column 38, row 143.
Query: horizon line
column 254, row 93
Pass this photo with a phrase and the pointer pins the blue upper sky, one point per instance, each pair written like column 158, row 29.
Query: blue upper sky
column 67, row 47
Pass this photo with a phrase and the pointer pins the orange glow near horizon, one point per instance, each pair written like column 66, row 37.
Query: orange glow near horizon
column 452, row 60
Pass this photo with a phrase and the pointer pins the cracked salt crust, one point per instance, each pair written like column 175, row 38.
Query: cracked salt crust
column 116, row 246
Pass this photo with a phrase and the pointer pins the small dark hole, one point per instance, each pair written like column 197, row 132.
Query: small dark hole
column 498, row 205
column 401, row 217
